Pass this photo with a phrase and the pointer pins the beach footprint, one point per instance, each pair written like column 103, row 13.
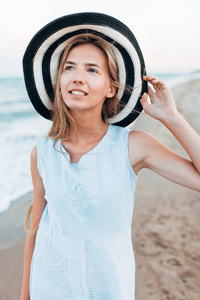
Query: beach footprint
column 192, row 250
column 147, row 246
column 190, row 278
column 171, row 262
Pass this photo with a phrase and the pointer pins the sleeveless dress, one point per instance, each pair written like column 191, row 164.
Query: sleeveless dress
column 83, row 248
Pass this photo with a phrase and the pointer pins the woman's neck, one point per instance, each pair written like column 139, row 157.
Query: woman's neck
column 89, row 127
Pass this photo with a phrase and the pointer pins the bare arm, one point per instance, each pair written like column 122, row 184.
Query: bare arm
column 39, row 204
column 152, row 154
column 29, row 248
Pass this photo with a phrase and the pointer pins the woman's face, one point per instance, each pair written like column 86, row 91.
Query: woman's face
column 84, row 81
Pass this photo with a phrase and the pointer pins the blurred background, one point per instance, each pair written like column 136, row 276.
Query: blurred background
column 166, row 216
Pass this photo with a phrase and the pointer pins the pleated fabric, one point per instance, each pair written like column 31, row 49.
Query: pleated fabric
column 83, row 248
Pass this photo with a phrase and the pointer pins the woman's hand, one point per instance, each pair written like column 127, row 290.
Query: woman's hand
column 156, row 156
column 161, row 103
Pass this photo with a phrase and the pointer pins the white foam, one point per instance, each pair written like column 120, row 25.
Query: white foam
column 16, row 145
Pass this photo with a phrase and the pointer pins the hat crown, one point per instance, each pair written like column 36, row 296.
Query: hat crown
column 41, row 60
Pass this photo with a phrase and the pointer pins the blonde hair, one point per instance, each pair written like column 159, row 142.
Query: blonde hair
column 30, row 232
column 62, row 121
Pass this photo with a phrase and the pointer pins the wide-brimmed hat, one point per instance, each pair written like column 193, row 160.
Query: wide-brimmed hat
column 42, row 57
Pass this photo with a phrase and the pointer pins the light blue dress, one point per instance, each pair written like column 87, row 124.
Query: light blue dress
column 83, row 248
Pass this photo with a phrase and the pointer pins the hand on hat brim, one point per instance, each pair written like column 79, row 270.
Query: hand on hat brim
column 161, row 103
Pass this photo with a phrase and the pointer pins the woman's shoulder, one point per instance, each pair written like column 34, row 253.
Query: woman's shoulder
column 34, row 153
column 141, row 136
column 124, row 134
column 140, row 140
column 119, row 134
column 44, row 144
column 141, row 144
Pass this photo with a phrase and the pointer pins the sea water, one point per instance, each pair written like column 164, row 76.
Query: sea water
column 20, row 127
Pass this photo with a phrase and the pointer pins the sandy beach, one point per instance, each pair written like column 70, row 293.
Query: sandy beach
column 165, row 227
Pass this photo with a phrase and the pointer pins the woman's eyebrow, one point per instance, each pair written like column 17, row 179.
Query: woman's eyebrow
column 86, row 64
column 93, row 65
column 70, row 62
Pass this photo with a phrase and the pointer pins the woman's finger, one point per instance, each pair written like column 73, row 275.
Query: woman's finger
column 147, row 77
column 156, row 82
column 150, row 92
column 145, row 101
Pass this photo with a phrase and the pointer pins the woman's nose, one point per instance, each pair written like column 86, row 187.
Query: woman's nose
column 79, row 78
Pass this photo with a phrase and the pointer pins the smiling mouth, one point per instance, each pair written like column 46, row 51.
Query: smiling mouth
column 78, row 93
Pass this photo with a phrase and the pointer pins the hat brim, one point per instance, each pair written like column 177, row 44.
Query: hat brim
column 42, row 56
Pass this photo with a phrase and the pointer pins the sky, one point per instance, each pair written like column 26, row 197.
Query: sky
column 167, row 31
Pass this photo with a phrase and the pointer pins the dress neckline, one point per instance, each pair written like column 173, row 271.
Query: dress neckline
column 92, row 150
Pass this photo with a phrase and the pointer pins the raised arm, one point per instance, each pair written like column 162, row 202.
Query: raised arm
column 147, row 152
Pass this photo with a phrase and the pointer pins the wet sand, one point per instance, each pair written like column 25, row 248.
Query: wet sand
column 12, row 243
column 165, row 228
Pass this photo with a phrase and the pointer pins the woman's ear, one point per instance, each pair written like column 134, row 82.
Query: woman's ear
column 111, row 92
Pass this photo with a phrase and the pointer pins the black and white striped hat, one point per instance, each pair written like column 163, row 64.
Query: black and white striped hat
column 42, row 56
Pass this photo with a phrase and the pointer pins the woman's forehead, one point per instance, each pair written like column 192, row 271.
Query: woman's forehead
column 87, row 52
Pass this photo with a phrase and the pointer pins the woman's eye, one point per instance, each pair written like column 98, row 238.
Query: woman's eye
column 92, row 71
column 68, row 68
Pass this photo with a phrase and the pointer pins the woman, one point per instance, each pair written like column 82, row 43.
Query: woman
column 83, row 205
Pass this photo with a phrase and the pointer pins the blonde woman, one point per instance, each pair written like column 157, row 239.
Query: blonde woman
column 85, row 171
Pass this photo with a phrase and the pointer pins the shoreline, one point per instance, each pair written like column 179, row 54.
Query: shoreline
column 15, row 231
column 165, row 226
